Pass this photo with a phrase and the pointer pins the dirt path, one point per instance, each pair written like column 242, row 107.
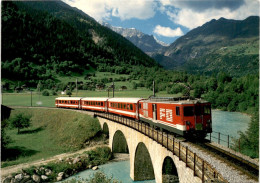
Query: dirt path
column 12, row 169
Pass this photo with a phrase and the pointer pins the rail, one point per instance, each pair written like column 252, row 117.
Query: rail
column 200, row 168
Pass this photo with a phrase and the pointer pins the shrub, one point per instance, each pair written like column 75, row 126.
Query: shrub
column 54, row 92
column 45, row 93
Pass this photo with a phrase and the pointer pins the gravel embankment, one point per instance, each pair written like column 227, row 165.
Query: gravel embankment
column 229, row 173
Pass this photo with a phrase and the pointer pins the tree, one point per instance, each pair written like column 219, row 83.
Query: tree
column 69, row 93
column 20, row 121
column 5, row 140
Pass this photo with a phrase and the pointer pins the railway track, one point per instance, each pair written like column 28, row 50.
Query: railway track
column 230, row 157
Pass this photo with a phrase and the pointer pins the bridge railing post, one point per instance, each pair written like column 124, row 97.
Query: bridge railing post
column 157, row 135
column 173, row 146
column 203, row 171
column 186, row 156
column 218, row 137
column 162, row 137
column 167, row 140
column 194, row 165
column 179, row 150
column 153, row 133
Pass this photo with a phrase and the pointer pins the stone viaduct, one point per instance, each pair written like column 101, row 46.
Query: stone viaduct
column 148, row 159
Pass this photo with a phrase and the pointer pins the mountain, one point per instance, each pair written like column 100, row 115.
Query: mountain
column 43, row 39
column 230, row 46
column 147, row 43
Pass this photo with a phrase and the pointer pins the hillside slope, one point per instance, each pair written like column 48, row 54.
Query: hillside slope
column 43, row 39
column 219, row 45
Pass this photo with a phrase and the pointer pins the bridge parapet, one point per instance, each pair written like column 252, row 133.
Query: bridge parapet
column 160, row 145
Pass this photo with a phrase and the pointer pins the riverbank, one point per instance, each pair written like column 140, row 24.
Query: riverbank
column 61, row 166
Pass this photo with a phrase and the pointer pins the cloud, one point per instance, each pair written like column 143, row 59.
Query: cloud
column 95, row 8
column 167, row 31
column 132, row 9
column 104, row 9
column 204, row 5
column 189, row 16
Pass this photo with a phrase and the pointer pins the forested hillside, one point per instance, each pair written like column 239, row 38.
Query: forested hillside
column 223, row 45
column 39, row 45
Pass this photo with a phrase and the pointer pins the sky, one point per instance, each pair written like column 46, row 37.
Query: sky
column 167, row 20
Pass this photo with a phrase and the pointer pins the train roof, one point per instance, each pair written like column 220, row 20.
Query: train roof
column 95, row 98
column 68, row 98
column 127, row 100
column 179, row 100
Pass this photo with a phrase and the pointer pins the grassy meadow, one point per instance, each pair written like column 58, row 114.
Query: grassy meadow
column 24, row 99
column 52, row 132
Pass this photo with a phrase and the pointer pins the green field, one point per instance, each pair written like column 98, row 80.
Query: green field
column 52, row 132
column 24, row 99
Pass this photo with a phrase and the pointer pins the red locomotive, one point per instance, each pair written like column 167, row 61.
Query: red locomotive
column 182, row 116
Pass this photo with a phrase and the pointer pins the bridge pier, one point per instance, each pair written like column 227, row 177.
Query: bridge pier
column 149, row 147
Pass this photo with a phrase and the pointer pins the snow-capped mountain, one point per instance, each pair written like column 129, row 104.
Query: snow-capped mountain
column 148, row 43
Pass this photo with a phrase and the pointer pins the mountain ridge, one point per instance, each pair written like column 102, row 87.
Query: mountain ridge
column 195, row 48
column 147, row 43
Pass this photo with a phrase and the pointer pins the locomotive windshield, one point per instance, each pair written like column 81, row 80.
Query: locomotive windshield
column 207, row 109
column 189, row 111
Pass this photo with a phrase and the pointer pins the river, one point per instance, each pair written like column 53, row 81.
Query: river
column 228, row 123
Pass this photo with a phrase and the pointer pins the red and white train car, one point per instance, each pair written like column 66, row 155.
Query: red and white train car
column 183, row 117
column 68, row 102
column 124, row 106
column 94, row 104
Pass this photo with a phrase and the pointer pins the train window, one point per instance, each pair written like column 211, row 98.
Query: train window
column 101, row 103
column 206, row 109
column 131, row 107
column 128, row 107
column 140, row 106
column 124, row 106
column 188, row 111
column 177, row 111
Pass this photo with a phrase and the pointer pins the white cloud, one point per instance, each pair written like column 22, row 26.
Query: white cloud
column 132, row 9
column 103, row 9
column 188, row 13
column 97, row 9
column 191, row 18
column 167, row 31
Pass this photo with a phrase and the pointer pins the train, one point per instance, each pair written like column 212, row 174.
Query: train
column 187, row 117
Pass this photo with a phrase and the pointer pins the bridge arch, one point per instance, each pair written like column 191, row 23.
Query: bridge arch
column 143, row 166
column 169, row 171
column 154, row 151
column 106, row 130
column 119, row 144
